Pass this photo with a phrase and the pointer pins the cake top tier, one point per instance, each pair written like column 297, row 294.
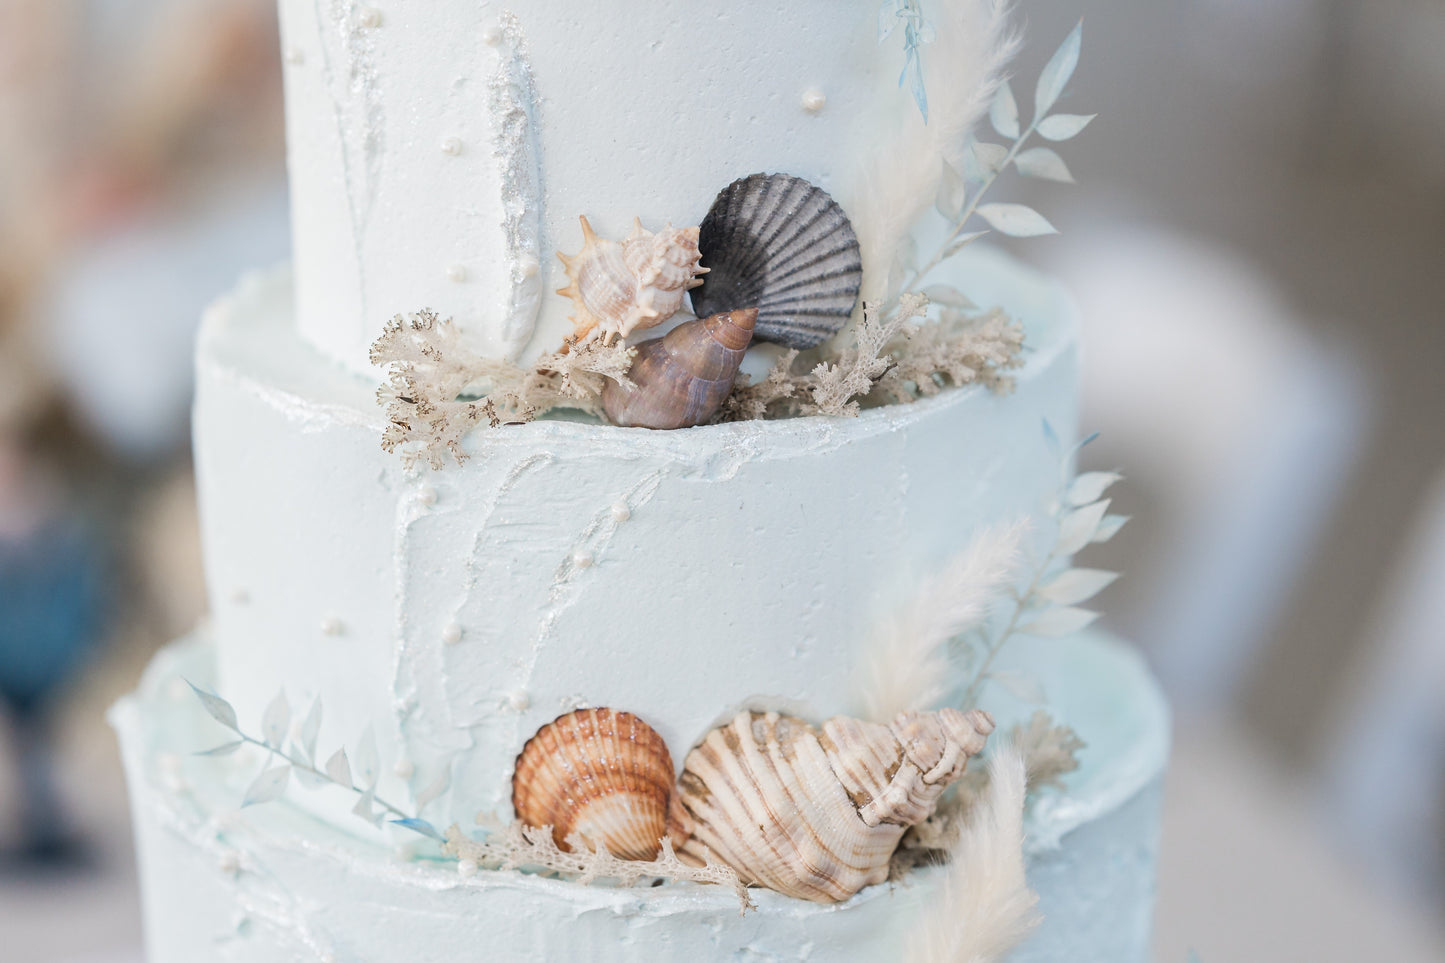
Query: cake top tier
column 441, row 152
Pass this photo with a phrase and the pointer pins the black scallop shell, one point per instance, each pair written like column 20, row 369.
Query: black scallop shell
column 777, row 243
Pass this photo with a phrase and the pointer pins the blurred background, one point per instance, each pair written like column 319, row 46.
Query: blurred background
column 1259, row 248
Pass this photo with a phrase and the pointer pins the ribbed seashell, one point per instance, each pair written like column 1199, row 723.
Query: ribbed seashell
column 623, row 286
column 682, row 378
column 816, row 813
column 604, row 774
column 781, row 245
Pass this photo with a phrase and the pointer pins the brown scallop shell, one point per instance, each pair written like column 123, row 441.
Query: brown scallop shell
column 600, row 773
column 683, row 377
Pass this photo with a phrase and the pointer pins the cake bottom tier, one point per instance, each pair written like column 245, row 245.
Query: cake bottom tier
column 273, row 883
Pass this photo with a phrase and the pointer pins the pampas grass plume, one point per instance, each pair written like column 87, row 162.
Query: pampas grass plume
column 906, row 666
column 985, row 907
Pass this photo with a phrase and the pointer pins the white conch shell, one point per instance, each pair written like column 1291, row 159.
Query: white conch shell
column 816, row 813
column 621, row 287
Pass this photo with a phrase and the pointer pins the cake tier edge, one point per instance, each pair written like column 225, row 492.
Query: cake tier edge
column 274, row 883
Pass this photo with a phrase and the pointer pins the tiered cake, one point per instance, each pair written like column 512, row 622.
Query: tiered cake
column 431, row 621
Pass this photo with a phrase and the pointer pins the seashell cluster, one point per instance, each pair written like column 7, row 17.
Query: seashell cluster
column 777, row 243
column 623, row 286
column 682, row 378
column 816, row 813
column 598, row 773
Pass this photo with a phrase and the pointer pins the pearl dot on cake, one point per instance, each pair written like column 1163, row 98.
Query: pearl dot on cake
column 451, row 633
column 371, row 18
column 518, row 700
column 452, row 146
column 404, row 769
column 466, row 868
column 582, row 559
column 621, row 512
column 331, row 625
column 529, row 266
column 426, row 495
column 491, row 36
column 229, row 862
column 814, row 100
column 294, row 56
column 457, row 273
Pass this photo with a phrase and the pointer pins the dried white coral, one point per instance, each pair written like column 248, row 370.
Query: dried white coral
column 1048, row 752
column 956, row 350
column 429, row 407
column 835, row 388
column 518, row 846
column 896, row 358
column 429, row 370
column 437, row 389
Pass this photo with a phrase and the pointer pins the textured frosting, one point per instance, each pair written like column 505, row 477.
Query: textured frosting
column 272, row 883
column 440, row 152
column 676, row 575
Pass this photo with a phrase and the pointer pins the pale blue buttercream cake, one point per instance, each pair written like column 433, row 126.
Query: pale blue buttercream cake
column 432, row 621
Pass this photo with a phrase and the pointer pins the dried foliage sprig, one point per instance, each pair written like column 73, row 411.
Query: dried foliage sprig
column 905, row 666
column 970, row 44
column 357, row 773
column 528, row 847
column 985, row 907
column 963, row 187
column 431, row 371
column 917, row 31
column 1050, row 605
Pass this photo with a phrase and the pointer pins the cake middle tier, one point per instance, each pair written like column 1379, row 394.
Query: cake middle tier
column 676, row 575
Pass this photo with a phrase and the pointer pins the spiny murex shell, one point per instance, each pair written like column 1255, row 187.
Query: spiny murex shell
column 683, row 377
column 777, row 243
column 603, row 774
column 816, row 813
column 622, row 286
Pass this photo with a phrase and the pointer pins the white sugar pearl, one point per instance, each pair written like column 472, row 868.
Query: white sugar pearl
column 404, row 769
column 492, row 36
column 814, row 100
column 518, row 700
column 457, row 273
column 331, row 625
column 620, row 512
column 451, row 633
column 529, row 266
column 467, row 868
column 452, row 145
column 582, row 559
column 426, row 495
column 371, row 18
